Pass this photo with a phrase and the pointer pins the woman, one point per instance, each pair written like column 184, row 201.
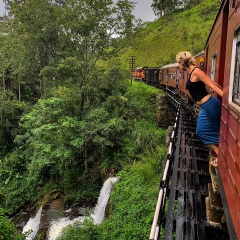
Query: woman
column 208, row 124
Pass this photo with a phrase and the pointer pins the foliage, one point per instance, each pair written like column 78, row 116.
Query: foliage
column 37, row 36
column 10, row 112
column 132, row 206
column 133, row 200
column 7, row 230
column 161, row 7
column 55, row 144
column 162, row 39
column 68, row 115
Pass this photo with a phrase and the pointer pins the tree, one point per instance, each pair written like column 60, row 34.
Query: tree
column 160, row 7
column 87, row 27
column 50, row 32
column 7, row 230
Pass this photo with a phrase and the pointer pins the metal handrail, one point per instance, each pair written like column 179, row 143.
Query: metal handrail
column 163, row 186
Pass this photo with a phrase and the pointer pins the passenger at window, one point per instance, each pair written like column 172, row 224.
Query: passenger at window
column 208, row 124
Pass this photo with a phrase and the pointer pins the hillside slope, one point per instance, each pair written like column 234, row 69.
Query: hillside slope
column 161, row 40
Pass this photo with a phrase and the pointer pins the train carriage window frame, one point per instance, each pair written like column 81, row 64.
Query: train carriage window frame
column 234, row 85
column 213, row 68
column 235, row 3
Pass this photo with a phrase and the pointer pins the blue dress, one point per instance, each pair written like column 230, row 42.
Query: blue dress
column 208, row 124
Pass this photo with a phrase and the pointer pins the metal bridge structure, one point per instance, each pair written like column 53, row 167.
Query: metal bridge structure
column 189, row 203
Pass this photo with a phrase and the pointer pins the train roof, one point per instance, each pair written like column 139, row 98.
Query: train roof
column 174, row 64
column 153, row 68
column 199, row 54
column 170, row 65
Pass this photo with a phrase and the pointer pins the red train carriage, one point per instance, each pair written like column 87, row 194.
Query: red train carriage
column 172, row 77
column 200, row 59
column 223, row 66
column 169, row 75
column 138, row 73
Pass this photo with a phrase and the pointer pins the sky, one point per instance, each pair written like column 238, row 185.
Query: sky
column 142, row 10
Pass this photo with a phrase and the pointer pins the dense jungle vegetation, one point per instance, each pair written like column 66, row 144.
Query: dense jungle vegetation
column 69, row 113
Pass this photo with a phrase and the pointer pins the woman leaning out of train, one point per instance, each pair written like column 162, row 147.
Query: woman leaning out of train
column 208, row 123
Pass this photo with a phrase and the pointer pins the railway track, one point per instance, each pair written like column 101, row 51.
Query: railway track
column 188, row 206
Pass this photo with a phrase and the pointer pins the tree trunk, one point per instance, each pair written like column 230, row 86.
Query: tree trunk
column 85, row 158
column 4, row 85
column 19, row 91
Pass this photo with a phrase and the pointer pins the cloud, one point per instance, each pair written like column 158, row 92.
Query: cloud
column 144, row 11
column 1, row 7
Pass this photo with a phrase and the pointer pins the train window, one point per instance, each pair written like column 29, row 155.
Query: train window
column 236, row 82
column 213, row 69
column 234, row 87
column 235, row 3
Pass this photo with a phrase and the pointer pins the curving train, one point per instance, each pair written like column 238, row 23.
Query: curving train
column 220, row 60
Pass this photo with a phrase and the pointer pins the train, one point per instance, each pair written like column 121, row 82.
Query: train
column 220, row 60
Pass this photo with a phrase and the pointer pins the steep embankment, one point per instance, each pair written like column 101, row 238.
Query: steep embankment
column 161, row 40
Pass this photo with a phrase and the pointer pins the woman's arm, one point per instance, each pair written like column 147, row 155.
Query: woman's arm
column 208, row 81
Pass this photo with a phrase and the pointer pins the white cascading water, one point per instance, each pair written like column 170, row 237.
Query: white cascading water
column 99, row 210
column 58, row 225
column 33, row 225
column 97, row 215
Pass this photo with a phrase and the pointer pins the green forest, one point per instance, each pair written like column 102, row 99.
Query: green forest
column 70, row 114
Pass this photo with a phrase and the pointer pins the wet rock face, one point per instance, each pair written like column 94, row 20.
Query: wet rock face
column 53, row 204
column 21, row 218
column 78, row 209
column 165, row 116
column 53, row 208
column 53, row 213
column 50, row 211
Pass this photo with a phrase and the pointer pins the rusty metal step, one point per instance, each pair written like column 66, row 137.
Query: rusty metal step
column 213, row 218
column 213, row 175
column 215, row 199
column 215, row 184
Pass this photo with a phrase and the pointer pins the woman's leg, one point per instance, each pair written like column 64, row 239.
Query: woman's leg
column 214, row 147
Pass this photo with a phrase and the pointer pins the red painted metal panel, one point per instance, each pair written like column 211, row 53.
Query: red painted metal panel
column 231, row 199
column 223, row 166
column 233, row 169
column 238, row 215
column 238, row 183
column 238, row 132
column 233, row 146
column 224, row 114
column 238, row 159
column 233, row 124
column 230, row 190
column 224, row 146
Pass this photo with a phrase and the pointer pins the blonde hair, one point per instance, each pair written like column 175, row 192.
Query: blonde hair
column 186, row 59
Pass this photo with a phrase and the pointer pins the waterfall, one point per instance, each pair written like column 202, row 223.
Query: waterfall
column 99, row 210
column 97, row 215
column 57, row 225
column 33, row 225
